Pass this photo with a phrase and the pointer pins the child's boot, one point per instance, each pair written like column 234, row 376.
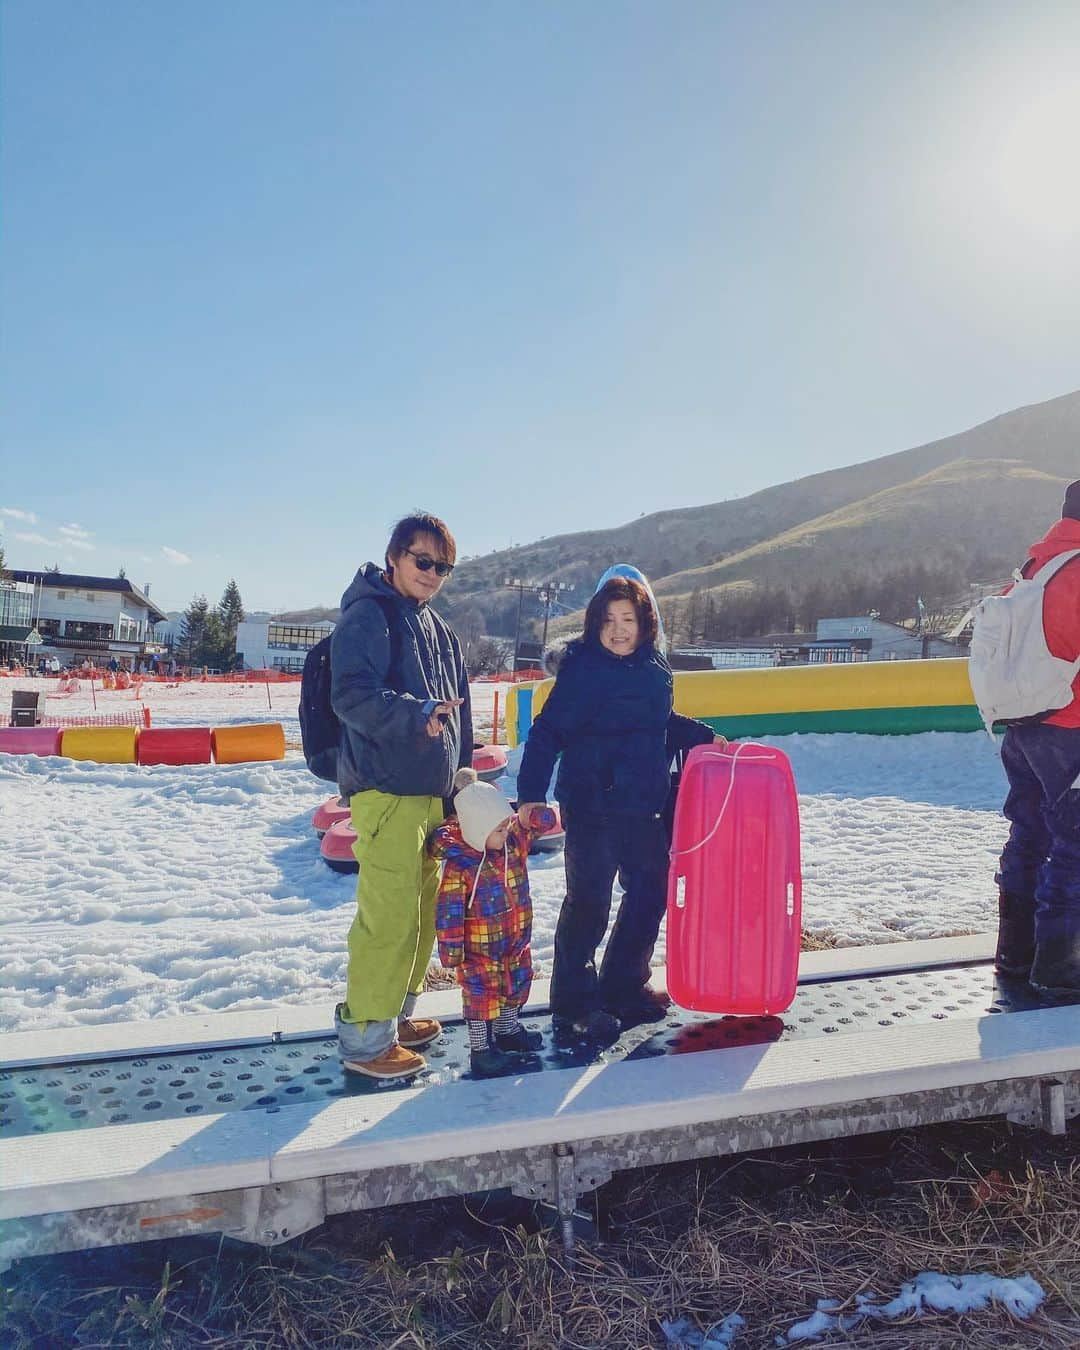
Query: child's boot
column 508, row 1034
column 491, row 1062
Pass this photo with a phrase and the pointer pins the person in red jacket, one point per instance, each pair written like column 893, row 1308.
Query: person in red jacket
column 1039, row 871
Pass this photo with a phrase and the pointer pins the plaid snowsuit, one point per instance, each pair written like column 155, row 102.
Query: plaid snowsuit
column 484, row 923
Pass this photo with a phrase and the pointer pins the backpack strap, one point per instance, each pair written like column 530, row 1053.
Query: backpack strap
column 1049, row 570
column 393, row 628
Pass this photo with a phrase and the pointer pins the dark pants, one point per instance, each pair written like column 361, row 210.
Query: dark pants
column 1041, row 859
column 634, row 847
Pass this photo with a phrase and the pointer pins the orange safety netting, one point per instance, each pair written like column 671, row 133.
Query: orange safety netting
column 140, row 718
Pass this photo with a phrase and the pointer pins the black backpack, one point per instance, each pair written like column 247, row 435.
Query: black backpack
column 320, row 729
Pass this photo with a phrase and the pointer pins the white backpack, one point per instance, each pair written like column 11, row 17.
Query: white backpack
column 1013, row 673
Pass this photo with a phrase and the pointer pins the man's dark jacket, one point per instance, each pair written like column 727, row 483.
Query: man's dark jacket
column 611, row 718
column 385, row 744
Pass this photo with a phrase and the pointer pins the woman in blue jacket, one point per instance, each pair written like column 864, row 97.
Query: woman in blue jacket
column 610, row 717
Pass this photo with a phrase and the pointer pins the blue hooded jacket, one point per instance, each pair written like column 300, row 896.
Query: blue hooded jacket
column 611, row 719
column 384, row 743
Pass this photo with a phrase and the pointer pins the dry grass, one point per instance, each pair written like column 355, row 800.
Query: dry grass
column 765, row 1235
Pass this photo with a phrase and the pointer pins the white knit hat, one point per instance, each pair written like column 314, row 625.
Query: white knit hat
column 481, row 808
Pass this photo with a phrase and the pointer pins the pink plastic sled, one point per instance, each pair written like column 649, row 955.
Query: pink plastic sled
column 735, row 884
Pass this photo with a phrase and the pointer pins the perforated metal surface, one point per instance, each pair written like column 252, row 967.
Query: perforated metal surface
column 269, row 1076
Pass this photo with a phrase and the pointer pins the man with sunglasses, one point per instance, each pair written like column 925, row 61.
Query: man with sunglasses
column 401, row 692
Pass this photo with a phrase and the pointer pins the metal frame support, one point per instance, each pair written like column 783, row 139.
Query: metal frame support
column 558, row 1185
column 279, row 1213
column 1052, row 1105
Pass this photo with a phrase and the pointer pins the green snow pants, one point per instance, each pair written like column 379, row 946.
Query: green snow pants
column 393, row 931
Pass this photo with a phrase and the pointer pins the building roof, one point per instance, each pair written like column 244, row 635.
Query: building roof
column 74, row 581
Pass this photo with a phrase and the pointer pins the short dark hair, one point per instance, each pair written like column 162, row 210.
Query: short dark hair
column 621, row 588
column 421, row 522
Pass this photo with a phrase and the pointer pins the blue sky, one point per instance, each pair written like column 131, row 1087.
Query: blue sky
column 272, row 273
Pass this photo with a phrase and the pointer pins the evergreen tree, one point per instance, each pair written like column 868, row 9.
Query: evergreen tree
column 230, row 614
column 3, row 572
column 121, row 574
column 193, row 630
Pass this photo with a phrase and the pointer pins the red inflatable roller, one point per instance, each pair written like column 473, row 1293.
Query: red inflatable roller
column 29, row 740
column 329, row 813
column 174, row 745
column 337, row 847
column 489, row 761
column 553, row 838
column 247, row 744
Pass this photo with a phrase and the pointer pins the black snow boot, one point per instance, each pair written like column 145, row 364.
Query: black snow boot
column 1055, row 972
column 491, row 1063
column 1016, row 935
column 520, row 1041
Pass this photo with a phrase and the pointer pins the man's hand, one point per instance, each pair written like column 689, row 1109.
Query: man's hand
column 439, row 714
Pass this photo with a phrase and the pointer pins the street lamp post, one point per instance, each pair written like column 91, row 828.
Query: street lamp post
column 516, row 584
column 548, row 593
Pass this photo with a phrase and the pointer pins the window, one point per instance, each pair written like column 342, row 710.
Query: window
column 289, row 663
column 77, row 628
column 294, row 637
column 48, row 627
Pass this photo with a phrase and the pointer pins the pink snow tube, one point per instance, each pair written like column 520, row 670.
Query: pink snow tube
column 174, row 745
column 489, row 761
column 337, row 847
column 329, row 813
column 30, row 740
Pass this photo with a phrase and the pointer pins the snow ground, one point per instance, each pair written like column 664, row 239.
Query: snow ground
column 130, row 892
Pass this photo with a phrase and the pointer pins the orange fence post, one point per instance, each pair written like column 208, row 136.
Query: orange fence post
column 146, row 716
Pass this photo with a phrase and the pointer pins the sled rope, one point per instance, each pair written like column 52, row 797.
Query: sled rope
column 736, row 755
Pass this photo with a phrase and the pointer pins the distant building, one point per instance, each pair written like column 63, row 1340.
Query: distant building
column 862, row 638
column 270, row 644
column 19, row 639
column 79, row 617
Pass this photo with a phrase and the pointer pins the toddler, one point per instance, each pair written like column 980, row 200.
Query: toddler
column 483, row 918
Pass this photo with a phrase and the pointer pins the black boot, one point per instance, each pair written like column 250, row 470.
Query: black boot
column 491, row 1063
column 1016, row 935
column 520, row 1041
column 1055, row 971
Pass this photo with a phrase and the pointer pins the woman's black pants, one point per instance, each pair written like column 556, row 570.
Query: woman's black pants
column 599, row 848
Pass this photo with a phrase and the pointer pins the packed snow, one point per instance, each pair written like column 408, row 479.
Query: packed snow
column 130, row 892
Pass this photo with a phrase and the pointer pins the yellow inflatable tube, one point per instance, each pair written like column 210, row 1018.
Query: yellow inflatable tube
column 104, row 745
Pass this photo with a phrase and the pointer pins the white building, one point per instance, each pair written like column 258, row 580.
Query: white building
column 79, row 617
column 880, row 641
column 270, row 644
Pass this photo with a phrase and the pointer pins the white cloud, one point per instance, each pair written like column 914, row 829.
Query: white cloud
column 62, row 545
column 16, row 514
column 175, row 556
column 74, row 532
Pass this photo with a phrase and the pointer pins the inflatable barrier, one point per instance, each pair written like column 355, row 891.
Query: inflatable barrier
column 248, row 744
column 101, row 745
column 888, row 698
column 29, row 740
column 174, row 745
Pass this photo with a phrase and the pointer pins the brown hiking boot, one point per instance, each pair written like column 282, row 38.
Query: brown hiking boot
column 413, row 1032
column 397, row 1062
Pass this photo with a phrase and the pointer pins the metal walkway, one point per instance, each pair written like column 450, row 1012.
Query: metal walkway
column 245, row 1124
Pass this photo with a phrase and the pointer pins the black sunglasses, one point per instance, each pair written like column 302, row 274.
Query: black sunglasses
column 425, row 564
